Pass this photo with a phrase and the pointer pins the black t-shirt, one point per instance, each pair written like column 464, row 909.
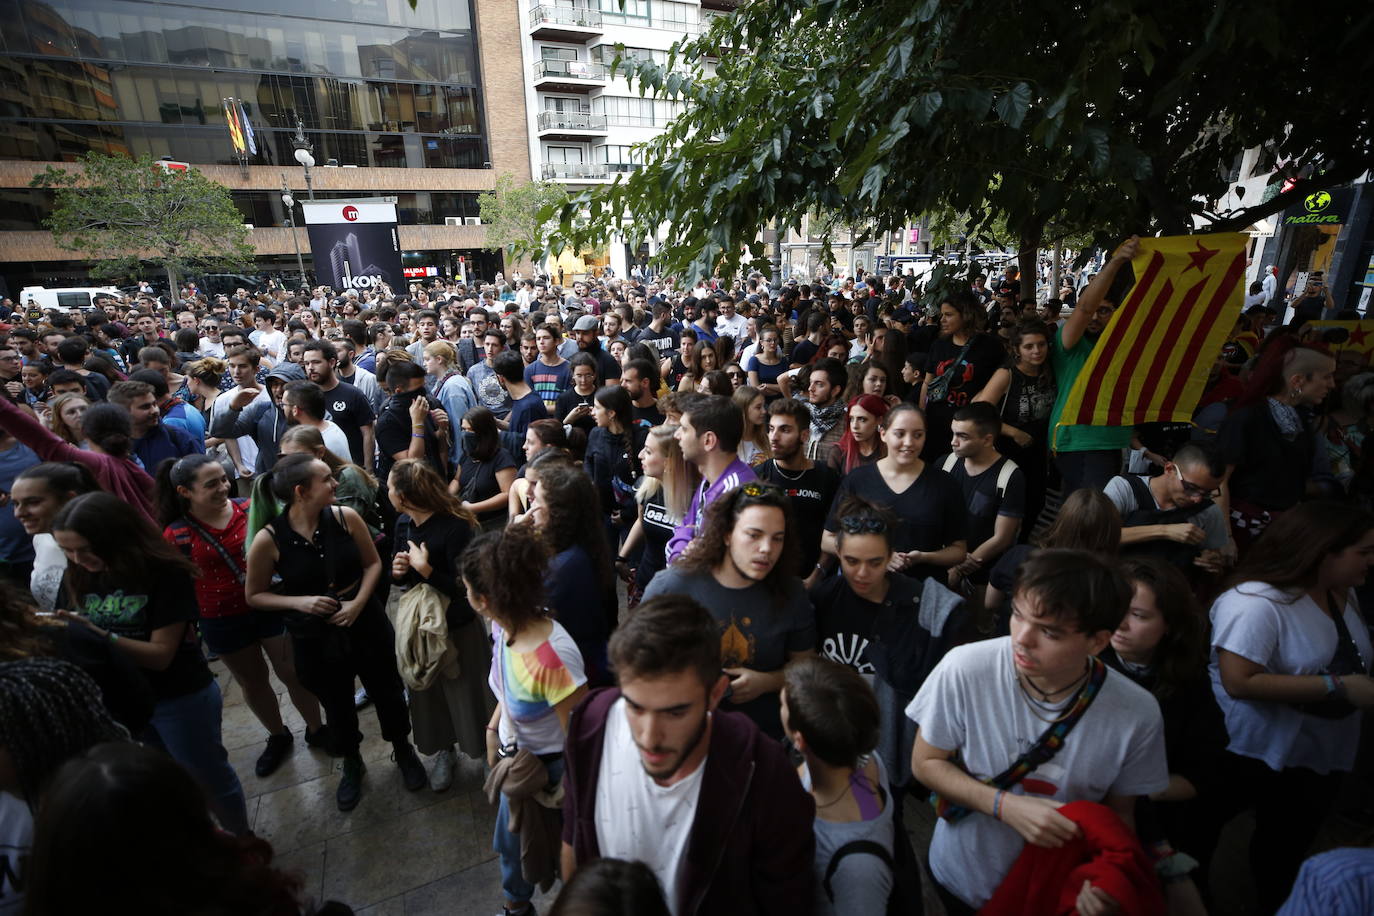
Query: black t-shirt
column 393, row 433
column 1271, row 471
column 478, row 480
column 664, row 342
column 812, row 493
column 570, row 399
column 135, row 610
column 1008, row 287
column 930, row 512
column 658, row 529
column 349, row 408
column 984, row 356
column 607, row 366
column 647, row 416
column 802, row 352
column 982, row 501
column 845, row 621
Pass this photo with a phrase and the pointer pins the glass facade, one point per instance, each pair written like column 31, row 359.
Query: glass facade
column 373, row 82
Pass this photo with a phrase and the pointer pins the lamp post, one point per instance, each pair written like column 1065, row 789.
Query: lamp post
column 304, row 157
column 290, row 203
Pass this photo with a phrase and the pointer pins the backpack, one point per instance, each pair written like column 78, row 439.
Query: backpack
column 905, row 898
column 1009, row 467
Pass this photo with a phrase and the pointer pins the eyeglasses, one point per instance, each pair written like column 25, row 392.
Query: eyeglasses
column 858, row 524
column 1193, row 489
column 735, row 375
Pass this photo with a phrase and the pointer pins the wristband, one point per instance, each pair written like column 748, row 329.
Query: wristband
column 997, row 803
column 417, row 435
column 490, row 729
column 620, row 559
column 113, row 637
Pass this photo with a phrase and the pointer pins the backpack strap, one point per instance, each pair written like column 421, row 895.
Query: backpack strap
column 854, row 847
column 1140, row 489
column 948, row 464
column 181, row 536
column 1009, row 467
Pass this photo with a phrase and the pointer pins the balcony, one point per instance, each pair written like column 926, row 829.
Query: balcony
column 570, row 125
column 577, row 172
column 564, row 23
column 569, row 75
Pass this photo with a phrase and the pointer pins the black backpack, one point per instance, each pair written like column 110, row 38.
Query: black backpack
column 905, row 898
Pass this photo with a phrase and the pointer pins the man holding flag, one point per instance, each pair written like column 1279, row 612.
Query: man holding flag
column 1087, row 455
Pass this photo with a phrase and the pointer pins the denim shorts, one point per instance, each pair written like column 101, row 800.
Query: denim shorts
column 227, row 635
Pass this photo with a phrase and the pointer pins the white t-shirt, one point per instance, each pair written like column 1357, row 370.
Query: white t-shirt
column 971, row 704
column 1263, row 624
column 530, row 685
column 335, row 440
column 49, row 566
column 271, row 343
column 248, row 446
column 1210, row 520
column 16, row 840
column 210, row 347
column 638, row 819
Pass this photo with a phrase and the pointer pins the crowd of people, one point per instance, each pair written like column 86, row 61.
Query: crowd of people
column 713, row 579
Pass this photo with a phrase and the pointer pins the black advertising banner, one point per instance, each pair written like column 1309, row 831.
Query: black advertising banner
column 354, row 243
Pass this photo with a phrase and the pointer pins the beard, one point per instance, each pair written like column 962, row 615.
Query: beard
column 673, row 765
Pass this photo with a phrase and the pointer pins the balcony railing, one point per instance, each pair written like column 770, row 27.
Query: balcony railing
column 569, row 69
column 574, row 170
column 579, row 16
column 571, row 120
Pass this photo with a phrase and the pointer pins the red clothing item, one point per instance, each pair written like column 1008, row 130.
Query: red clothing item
column 119, row 476
column 218, row 592
column 1046, row 882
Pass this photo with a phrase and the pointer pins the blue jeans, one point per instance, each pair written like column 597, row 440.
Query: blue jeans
column 188, row 728
column 513, row 882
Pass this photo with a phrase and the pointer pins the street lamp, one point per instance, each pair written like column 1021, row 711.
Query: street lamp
column 303, row 156
column 290, row 203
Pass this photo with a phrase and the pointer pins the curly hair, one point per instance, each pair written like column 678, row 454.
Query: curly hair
column 507, row 568
column 569, row 499
column 709, row 549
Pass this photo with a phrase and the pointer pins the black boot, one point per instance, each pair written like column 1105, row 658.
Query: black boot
column 351, row 786
column 412, row 770
column 278, row 746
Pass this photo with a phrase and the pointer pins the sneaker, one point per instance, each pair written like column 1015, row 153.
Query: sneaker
column 441, row 775
column 412, row 770
column 361, row 699
column 350, row 790
column 278, row 746
column 529, row 910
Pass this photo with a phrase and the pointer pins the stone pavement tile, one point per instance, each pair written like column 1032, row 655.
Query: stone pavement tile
column 308, row 862
column 475, row 891
column 392, row 906
column 375, row 863
column 303, row 814
column 303, row 765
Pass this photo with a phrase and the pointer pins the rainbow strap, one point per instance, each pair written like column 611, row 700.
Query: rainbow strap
column 1039, row 753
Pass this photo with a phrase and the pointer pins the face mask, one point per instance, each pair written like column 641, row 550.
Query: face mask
column 470, row 441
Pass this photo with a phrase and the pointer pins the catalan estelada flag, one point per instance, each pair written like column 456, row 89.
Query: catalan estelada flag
column 231, row 117
column 1151, row 362
column 1358, row 337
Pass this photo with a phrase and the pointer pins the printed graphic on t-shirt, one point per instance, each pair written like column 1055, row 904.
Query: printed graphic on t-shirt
column 737, row 645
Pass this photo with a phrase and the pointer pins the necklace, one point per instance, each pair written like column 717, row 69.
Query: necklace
column 837, row 799
column 1048, row 695
column 1035, row 708
column 786, row 476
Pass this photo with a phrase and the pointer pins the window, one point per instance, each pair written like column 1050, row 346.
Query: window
column 73, row 300
column 548, row 53
column 563, row 155
column 565, row 106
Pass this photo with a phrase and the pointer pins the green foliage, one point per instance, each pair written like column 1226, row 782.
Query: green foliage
column 514, row 215
column 124, row 213
column 1054, row 119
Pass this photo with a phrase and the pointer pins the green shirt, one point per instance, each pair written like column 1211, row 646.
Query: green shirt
column 1067, row 364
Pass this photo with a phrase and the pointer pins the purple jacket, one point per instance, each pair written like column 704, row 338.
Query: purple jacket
column 736, row 473
column 752, row 843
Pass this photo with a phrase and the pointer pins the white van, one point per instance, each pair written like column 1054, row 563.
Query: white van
column 64, row 300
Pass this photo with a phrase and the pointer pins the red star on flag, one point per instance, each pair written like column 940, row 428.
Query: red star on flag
column 1357, row 337
column 1199, row 258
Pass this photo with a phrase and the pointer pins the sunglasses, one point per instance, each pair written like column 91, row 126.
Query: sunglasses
column 857, row 524
column 754, row 489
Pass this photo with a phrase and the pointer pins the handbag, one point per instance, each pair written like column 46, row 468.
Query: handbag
column 1039, row 753
column 939, row 385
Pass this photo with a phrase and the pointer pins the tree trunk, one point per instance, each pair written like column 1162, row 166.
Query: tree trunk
column 1027, row 260
column 1056, row 269
column 171, row 284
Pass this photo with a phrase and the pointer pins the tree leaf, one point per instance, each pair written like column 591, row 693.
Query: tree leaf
column 1013, row 104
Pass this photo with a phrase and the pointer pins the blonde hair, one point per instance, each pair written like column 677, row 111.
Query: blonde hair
column 744, row 396
column 313, row 440
column 679, row 477
column 442, row 349
column 59, row 426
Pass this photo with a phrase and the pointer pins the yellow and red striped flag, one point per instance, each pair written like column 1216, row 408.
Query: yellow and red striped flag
column 1151, row 362
column 231, row 117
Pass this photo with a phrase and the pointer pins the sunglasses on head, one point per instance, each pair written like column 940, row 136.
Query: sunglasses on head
column 858, row 524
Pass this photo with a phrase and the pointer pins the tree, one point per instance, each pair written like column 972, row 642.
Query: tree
column 123, row 213
column 512, row 214
column 1105, row 117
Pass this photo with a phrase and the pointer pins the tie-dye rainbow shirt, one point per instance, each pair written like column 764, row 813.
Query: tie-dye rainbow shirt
column 529, row 686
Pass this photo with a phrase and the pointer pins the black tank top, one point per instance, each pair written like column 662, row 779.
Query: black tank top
column 324, row 567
